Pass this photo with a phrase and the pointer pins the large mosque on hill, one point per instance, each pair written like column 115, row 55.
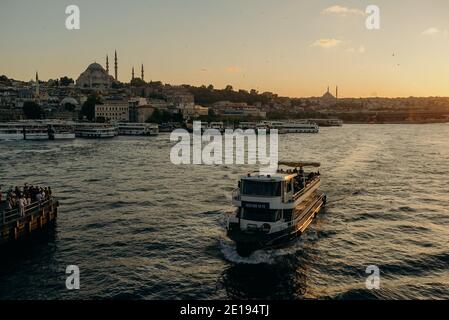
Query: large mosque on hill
column 96, row 77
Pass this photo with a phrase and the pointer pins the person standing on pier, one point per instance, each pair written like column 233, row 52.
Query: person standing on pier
column 22, row 202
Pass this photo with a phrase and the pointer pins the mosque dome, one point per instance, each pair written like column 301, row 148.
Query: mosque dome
column 95, row 67
column 95, row 76
column 69, row 100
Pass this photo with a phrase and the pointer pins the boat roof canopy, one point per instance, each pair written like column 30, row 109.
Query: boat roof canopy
column 296, row 164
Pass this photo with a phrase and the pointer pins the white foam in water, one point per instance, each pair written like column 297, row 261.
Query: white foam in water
column 267, row 256
column 42, row 150
column 260, row 256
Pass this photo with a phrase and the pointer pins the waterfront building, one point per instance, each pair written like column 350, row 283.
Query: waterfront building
column 237, row 109
column 140, row 109
column 113, row 110
column 194, row 111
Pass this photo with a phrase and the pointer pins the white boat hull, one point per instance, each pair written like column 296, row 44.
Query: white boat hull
column 64, row 136
column 13, row 136
column 298, row 131
column 95, row 135
column 36, row 136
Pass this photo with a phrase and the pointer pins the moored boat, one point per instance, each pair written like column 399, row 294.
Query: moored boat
column 11, row 131
column 138, row 129
column 297, row 127
column 61, row 131
column 35, row 131
column 272, row 210
column 96, row 130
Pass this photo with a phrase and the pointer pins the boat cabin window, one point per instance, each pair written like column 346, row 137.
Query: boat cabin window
column 288, row 187
column 260, row 188
column 262, row 215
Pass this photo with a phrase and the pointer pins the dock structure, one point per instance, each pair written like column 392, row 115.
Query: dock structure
column 36, row 216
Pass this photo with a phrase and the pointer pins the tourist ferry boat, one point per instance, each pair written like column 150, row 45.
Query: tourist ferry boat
column 273, row 210
column 217, row 126
column 245, row 125
column 61, row 131
column 11, row 131
column 296, row 127
column 35, row 131
column 96, row 130
column 138, row 129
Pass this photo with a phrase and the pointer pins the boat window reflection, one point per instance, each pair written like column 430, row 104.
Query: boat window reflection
column 256, row 188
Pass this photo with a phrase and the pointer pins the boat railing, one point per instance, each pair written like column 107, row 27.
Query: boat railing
column 13, row 215
column 301, row 192
column 236, row 194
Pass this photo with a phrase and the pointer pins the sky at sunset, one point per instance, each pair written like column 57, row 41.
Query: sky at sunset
column 291, row 47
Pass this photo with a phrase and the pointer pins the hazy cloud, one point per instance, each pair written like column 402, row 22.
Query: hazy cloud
column 233, row 69
column 326, row 43
column 359, row 49
column 342, row 11
column 431, row 31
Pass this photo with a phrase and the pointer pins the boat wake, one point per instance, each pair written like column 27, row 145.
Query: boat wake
column 262, row 256
column 257, row 257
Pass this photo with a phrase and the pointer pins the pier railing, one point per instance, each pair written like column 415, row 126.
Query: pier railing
column 13, row 215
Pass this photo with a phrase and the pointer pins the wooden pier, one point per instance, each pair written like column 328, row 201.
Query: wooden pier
column 37, row 216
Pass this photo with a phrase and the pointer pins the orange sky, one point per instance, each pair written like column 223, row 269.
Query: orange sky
column 293, row 48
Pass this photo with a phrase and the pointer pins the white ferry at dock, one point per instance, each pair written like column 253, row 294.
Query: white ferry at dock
column 23, row 130
column 35, row 131
column 11, row 131
column 138, row 129
column 272, row 210
column 96, row 130
column 296, row 127
column 61, row 131
column 217, row 126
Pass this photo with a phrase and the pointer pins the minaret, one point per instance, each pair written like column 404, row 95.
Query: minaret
column 116, row 66
column 327, row 89
column 37, row 85
column 142, row 73
column 107, row 64
column 336, row 92
column 132, row 75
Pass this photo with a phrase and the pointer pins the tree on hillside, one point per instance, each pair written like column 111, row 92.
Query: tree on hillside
column 88, row 108
column 65, row 81
column 32, row 110
column 161, row 116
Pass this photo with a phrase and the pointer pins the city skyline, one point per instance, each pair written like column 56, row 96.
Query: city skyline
column 292, row 48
